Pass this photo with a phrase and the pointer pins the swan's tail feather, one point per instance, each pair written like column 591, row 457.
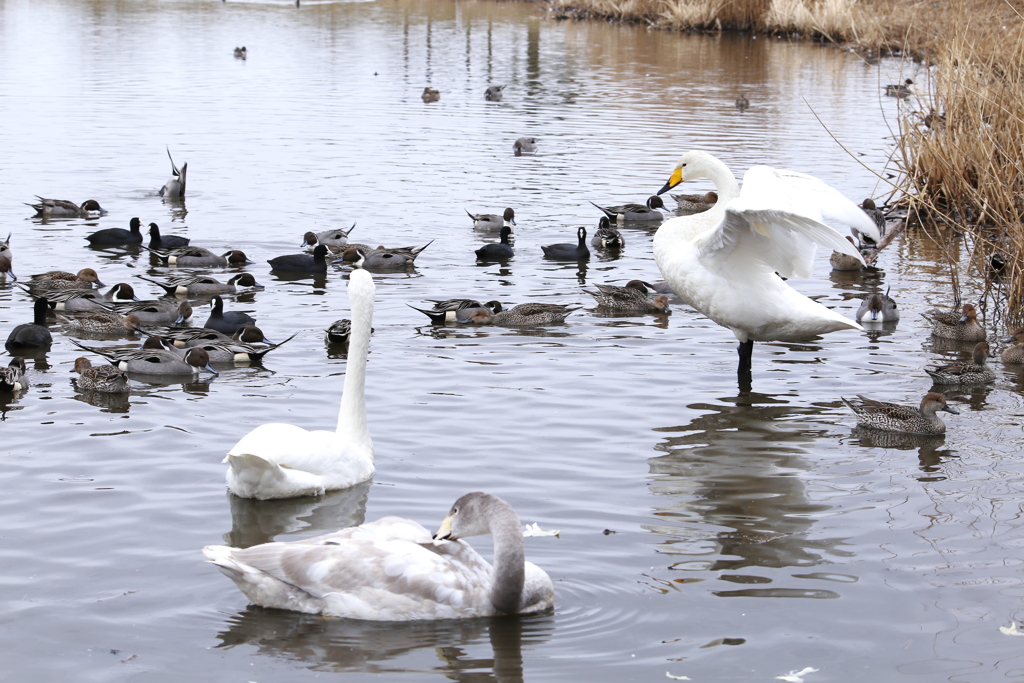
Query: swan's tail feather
column 249, row 474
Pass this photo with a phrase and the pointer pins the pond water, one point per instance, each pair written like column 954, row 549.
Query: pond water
column 706, row 531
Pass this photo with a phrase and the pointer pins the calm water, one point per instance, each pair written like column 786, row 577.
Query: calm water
column 755, row 533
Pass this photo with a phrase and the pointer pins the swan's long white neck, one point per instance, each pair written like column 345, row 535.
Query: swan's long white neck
column 718, row 173
column 352, row 414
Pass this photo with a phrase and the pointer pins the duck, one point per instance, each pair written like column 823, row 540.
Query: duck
column 392, row 569
column 117, row 236
column 1015, row 353
column 727, row 261
column 339, row 331
column 497, row 252
column 198, row 257
column 174, row 188
column 382, row 258
column 330, row 238
column 875, row 214
column 879, row 308
column 101, row 322
column 86, row 278
column 455, row 310
column 633, row 297
column 62, row 208
column 106, row 379
column 892, row 417
column 490, row 222
column 568, row 251
column 976, row 372
column 635, row 213
column 232, row 351
column 524, row 146
column 606, row 236
column 88, row 299
column 14, row 377
column 688, row 204
column 158, row 241
column 34, row 334
column 6, row 259
column 203, row 285
column 845, row 262
column 187, row 337
column 531, row 313
column 241, row 53
column 742, row 103
column 278, row 460
column 154, row 361
column 961, row 327
column 494, row 93
column 901, row 90
column 301, row 263
column 227, row 323
column 155, row 312
column 430, row 94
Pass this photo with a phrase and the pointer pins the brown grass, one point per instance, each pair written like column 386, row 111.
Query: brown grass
column 961, row 144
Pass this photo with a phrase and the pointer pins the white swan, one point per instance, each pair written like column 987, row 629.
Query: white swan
column 280, row 460
column 726, row 261
column 392, row 570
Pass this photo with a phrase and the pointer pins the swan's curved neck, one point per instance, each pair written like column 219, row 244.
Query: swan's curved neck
column 352, row 413
column 509, row 561
column 724, row 180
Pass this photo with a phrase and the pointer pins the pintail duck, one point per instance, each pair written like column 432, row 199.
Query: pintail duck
column 187, row 337
column 62, row 208
column 901, row 90
column 494, row 93
column 203, row 285
column 726, row 262
column 742, row 103
column 117, row 236
column 878, row 308
column 430, row 95
column 497, row 252
column 961, row 327
column 568, row 251
column 524, row 146
column 229, row 322
column 14, row 377
column 155, row 312
column 175, row 186
column 101, row 322
column 235, row 351
column 455, row 310
column 158, row 241
column 845, row 262
column 339, row 331
column 6, row 259
column 105, row 379
column 490, row 222
column 633, row 297
column 154, row 361
column 301, row 263
column 606, row 236
column 330, row 238
column 689, row 204
column 381, row 257
column 241, row 52
column 340, row 574
column 977, row 372
column 893, row 417
column 34, row 334
column 198, row 257
column 88, row 299
column 86, row 278
column 524, row 314
column 635, row 213
column 1015, row 353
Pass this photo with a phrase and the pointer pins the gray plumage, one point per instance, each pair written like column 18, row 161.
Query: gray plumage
column 174, row 188
column 878, row 307
column 606, row 236
column 14, row 377
column 633, row 297
column 635, row 213
column 490, row 222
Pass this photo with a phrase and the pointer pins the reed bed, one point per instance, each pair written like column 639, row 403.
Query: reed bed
column 960, row 148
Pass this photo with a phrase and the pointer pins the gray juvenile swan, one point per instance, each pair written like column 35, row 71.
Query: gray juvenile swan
column 392, row 570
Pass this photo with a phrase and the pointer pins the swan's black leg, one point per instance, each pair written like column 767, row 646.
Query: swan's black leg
column 745, row 349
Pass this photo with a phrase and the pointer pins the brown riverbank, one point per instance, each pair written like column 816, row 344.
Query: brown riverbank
column 961, row 144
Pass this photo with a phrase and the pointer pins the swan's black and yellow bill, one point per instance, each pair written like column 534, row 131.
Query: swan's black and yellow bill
column 674, row 179
column 444, row 532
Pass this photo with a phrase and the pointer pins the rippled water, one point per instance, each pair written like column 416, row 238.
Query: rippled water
column 707, row 532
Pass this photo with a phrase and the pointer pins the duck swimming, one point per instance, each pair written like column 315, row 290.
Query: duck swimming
column 203, row 285
column 6, row 259
column 961, row 327
column 174, row 188
column 893, row 417
column 606, row 236
column 154, row 361
column 331, row 238
column 531, row 313
column 632, row 297
column 727, row 261
column 455, row 310
column 878, row 307
column 198, row 257
column 1015, row 353
column 687, row 204
column 86, row 278
column 635, row 213
column 62, row 208
column 977, row 372
column 278, row 460
column 490, row 222
column 524, row 146
column 393, row 570
column 105, row 379
column 14, row 377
